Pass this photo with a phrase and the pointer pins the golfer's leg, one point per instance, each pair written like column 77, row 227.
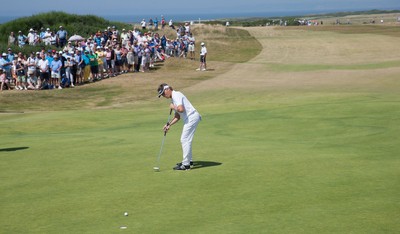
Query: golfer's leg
column 188, row 131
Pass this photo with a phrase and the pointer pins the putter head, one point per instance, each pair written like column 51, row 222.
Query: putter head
column 156, row 169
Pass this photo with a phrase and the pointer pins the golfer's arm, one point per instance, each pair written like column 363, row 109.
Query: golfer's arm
column 180, row 108
column 175, row 119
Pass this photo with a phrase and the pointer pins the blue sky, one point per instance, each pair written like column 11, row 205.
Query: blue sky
column 170, row 7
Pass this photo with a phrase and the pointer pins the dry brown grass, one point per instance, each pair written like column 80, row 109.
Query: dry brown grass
column 388, row 19
column 302, row 47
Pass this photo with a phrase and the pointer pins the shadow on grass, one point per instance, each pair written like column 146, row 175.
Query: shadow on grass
column 203, row 164
column 13, row 149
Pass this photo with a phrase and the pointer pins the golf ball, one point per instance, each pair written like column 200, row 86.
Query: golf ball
column 126, row 213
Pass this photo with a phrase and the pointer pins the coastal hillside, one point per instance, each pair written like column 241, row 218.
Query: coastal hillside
column 83, row 25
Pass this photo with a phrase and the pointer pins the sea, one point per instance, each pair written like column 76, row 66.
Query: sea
column 195, row 17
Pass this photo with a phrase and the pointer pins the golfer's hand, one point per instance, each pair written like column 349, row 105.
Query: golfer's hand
column 166, row 127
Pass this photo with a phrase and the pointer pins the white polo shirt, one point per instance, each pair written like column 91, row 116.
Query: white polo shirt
column 203, row 50
column 179, row 99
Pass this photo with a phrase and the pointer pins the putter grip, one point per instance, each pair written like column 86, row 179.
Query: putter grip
column 170, row 112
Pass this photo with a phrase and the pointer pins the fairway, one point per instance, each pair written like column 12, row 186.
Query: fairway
column 301, row 138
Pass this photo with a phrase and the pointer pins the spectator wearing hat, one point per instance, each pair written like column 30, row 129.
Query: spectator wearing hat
column 53, row 39
column 163, row 22
column 43, row 66
column 32, row 81
column 73, row 68
column 62, row 35
column 203, row 56
column 118, row 59
column 55, row 68
column 110, row 57
column 41, row 34
column 125, row 37
column 94, row 65
column 6, row 65
column 145, row 59
column 109, row 32
column 50, row 57
column 86, row 68
column 79, row 65
column 115, row 32
column 31, row 37
column 104, row 37
column 114, row 42
column 151, row 24
column 69, row 47
column 143, row 24
column 68, row 64
column 37, row 58
column 47, row 37
column 21, row 39
column 89, row 45
column 4, row 82
column 171, row 24
column 124, row 61
column 100, row 60
column 37, row 63
column 130, row 59
column 155, row 24
column 138, row 54
column 191, row 47
column 31, row 64
column 12, row 40
column 10, row 54
column 21, row 76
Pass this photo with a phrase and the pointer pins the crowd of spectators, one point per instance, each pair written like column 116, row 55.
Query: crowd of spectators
column 106, row 53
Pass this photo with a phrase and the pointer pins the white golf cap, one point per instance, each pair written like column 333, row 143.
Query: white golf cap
column 202, row 43
column 161, row 89
column 4, row 54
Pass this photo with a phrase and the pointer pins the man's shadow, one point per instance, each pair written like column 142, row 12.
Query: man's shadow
column 202, row 164
column 13, row 149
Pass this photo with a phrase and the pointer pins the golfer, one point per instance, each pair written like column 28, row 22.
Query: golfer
column 191, row 118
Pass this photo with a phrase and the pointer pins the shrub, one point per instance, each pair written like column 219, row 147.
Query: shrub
column 84, row 25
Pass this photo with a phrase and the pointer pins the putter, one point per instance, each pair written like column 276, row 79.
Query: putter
column 157, row 167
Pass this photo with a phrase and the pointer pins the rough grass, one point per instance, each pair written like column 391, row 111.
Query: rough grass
column 227, row 44
column 389, row 30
